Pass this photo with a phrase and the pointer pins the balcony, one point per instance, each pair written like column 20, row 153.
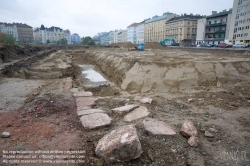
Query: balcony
column 217, row 31
column 216, row 24
column 214, row 39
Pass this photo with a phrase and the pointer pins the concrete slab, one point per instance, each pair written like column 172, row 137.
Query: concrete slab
column 95, row 120
column 136, row 114
column 85, row 101
column 83, row 94
column 89, row 111
column 156, row 127
column 124, row 109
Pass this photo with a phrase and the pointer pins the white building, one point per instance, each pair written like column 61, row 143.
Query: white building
column 140, row 32
column 125, row 35
column 111, row 37
column 75, row 39
column 10, row 29
column 67, row 36
column 115, row 35
column 48, row 35
column 239, row 31
column 132, row 33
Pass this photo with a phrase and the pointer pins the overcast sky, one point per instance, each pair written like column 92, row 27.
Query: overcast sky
column 87, row 18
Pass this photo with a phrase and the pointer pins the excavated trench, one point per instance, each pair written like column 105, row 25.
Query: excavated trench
column 169, row 72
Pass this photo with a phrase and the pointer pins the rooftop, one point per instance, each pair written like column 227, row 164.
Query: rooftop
column 157, row 18
column 185, row 17
column 223, row 13
column 133, row 25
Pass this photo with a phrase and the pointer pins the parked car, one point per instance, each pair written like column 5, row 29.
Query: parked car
column 205, row 45
column 213, row 45
column 175, row 44
column 223, row 45
column 248, row 45
column 193, row 45
column 238, row 46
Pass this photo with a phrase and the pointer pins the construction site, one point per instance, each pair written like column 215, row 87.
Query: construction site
column 164, row 106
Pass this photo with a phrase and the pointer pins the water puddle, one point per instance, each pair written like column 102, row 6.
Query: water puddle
column 93, row 76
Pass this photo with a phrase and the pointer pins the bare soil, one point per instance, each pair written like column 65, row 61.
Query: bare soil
column 39, row 111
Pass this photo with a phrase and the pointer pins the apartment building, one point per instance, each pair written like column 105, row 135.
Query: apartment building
column 67, row 36
column 111, row 37
column 25, row 33
column 124, row 35
column 119, row 37
column 239, row 32
column 132, row 33
column 115, row 35
column 155, row 28
column 75, row 39
column 214, row 29
column 9, row 29
column 22, row 33
column 48, row 35
column 182, row 27
column 140, row 31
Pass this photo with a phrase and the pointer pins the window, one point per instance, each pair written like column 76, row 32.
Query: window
column 245, row 34
column 247, row 27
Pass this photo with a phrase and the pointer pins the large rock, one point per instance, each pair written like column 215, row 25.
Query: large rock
column 95, row 120
column 136, row 114
column 120, row 145
column 83, row 94
column 156, row 127
column 125, row 109
column 85, row 101
column 188, row 129
column 89, row 111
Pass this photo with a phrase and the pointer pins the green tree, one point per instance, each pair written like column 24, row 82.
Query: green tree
column 82, row 39
column 2, row 36
column 88, row 41
column 62, row 41
column 47, row 41
column 8, row 39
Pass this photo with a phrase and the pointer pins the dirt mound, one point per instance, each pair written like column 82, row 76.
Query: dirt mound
column 124, row 44
column 153, row 45
column 14, row 52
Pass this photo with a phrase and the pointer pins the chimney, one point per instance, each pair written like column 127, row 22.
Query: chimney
column 214, row 12
column 191, row 14
column 185, row 14
column 224, row 10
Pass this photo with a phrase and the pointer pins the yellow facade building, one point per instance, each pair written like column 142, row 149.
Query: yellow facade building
column 155, row 28
column 182, row 27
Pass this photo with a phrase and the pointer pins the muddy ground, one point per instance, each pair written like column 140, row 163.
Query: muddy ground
column 39, row 111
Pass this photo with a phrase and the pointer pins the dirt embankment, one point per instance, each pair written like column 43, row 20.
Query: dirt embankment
column 170, row 71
